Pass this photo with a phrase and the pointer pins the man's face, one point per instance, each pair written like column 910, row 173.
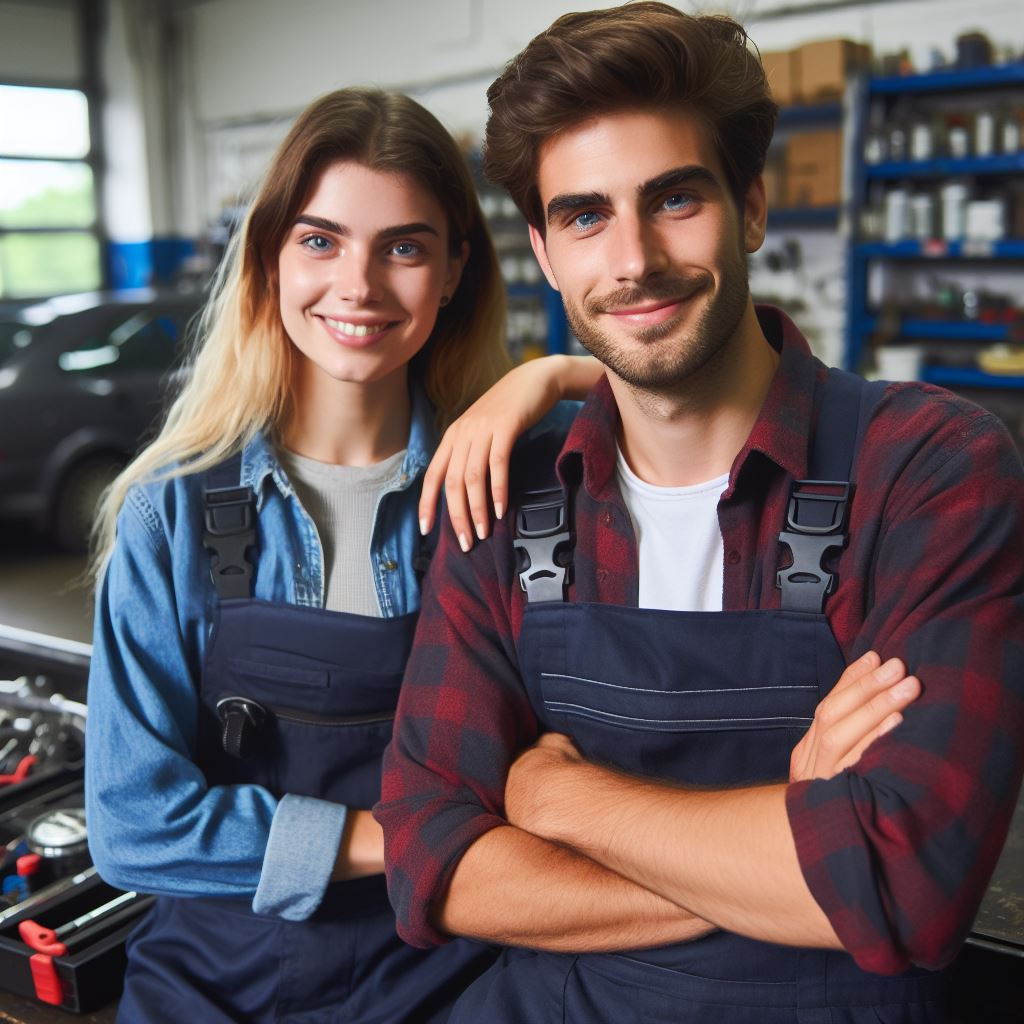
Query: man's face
column 645, row 244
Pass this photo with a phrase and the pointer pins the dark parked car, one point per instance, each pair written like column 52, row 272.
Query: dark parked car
column 82, row 379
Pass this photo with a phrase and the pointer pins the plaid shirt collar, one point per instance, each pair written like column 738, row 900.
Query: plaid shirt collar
column 780, row 433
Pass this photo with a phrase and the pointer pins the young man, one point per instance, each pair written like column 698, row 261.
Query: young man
column 685, row 595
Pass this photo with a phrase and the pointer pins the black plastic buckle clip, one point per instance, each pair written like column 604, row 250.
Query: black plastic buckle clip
column 242, row 720
column 815, row 522
column 230, row 533
column 542, row 533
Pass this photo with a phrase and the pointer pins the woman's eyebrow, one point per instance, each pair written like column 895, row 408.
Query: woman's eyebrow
column 414, row 228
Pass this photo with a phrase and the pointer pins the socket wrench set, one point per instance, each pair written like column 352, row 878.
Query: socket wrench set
column 62, row 928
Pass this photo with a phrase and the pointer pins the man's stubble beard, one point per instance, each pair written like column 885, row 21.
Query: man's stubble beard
column 663, row 365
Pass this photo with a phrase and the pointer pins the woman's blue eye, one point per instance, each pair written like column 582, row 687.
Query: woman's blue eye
column 405, row 249
column 587, row 219
column 317, row 243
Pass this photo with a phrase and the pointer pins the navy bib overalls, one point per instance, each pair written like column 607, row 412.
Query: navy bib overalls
column 705, row 699
column 301, row 701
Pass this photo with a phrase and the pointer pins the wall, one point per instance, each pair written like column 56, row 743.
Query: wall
column 39, row 43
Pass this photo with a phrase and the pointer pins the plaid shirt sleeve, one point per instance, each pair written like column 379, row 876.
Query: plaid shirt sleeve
column 462, row 714
column 899, row 850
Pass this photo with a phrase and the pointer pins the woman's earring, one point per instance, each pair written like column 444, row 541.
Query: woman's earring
column 445, row 299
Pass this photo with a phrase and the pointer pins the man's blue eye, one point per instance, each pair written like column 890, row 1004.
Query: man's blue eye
column 677, row 201
column 587, row 219
column 405, row 249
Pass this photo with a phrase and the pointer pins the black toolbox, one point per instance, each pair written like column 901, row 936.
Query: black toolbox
column 81, row 969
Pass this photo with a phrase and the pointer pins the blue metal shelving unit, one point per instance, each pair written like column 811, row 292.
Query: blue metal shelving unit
column 861, row 321
column 797, row 118
column 955, row 377
column 947, row 330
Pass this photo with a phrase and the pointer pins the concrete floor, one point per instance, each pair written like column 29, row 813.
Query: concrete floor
column 37, row 586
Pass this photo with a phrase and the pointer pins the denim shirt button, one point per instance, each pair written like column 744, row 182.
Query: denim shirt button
column 390, row 566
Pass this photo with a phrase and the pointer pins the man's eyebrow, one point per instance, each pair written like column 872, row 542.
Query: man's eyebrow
column 571, row 202
column 415, row 228
column 691, row 174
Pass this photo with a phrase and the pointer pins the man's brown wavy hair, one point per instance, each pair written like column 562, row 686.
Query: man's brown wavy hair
column 639, row 56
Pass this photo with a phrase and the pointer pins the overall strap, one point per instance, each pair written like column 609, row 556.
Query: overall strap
column 543, row 536
column 229, row 514
column 819, row 507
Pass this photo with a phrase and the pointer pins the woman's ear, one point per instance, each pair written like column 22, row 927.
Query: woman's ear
column 456, row 264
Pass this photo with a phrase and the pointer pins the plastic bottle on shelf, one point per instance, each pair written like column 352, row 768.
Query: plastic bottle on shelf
column 897, row 214
column 984, row 133
column 875, row 147
column 957, row 137
column 1010, row 130
column 954, row 206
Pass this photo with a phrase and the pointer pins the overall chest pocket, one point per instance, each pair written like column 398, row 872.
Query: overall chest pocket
column 711, row 735
column 305, row 729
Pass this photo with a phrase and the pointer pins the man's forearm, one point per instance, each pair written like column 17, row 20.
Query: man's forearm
column 727, row 856
column 514, row 888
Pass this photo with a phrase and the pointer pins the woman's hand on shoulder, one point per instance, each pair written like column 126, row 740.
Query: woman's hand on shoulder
column 472, row 460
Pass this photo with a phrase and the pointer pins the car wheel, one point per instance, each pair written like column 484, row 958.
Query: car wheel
column 78, row 498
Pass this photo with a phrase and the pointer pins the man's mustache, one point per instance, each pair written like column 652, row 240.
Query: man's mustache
column 670, row 288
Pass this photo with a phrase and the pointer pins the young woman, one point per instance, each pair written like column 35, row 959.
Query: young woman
column 259, row 572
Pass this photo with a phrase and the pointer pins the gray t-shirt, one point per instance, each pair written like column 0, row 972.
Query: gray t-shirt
column 342, row 501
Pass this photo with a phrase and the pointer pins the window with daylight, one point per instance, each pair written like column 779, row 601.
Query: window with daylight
column 49, row 242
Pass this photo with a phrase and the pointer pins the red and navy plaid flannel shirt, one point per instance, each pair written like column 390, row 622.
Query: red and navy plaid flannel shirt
column 897, row 851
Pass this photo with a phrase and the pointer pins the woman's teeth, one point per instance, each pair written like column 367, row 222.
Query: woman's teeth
column 354, row 330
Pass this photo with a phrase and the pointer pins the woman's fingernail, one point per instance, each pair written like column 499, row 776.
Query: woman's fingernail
column 890, row 671
column 904, row 690
column 464, row 543
column 499, row 510
column 424, row 526
column 480, row 531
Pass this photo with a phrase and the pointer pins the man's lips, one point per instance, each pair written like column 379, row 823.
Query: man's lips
column 645, row 314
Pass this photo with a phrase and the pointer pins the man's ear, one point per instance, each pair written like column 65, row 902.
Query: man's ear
column 755, row 215
column 540, row 250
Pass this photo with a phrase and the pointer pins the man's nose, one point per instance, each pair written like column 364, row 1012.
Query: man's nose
column 636, row 249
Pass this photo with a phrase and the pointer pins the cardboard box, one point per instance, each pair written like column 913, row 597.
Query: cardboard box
column 813, row 169
column 781, row 70
column 774, row 176
column 825, row 65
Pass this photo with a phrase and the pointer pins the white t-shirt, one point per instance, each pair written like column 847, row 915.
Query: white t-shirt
column 680, row 542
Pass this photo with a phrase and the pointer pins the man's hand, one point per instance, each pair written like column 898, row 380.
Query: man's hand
column 536, row 774
column 864, row 704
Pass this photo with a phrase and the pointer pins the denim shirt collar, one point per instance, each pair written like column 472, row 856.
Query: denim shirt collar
column 259, row 460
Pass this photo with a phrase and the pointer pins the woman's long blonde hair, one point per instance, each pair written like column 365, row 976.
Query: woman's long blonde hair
column 241, row 372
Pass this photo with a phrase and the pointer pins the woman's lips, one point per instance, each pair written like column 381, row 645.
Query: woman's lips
column 354, row 334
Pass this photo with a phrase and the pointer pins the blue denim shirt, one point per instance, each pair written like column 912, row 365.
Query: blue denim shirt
column 154, row 825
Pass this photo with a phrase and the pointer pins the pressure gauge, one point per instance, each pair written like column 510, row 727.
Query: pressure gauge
column 59, row 837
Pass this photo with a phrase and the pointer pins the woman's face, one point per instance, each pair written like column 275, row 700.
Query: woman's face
column 362, row 272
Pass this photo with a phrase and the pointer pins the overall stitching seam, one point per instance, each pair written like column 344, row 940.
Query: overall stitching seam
column 563, row 706
column 687, row 693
